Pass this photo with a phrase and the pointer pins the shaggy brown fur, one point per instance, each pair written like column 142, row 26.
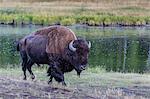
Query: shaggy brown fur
column 58, row 38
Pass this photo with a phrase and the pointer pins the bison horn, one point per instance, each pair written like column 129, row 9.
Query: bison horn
column 89, row 44
column 71, row 46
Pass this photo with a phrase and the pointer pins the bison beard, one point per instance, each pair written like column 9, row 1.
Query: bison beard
column 56, row 46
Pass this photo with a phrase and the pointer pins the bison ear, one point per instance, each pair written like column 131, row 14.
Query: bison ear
column 71, row 46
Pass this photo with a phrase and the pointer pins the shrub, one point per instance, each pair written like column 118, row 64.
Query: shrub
column 67, row 21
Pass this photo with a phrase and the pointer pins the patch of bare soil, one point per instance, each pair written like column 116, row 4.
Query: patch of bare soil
column 13, row 88
column 143, row 91
column 18, row 89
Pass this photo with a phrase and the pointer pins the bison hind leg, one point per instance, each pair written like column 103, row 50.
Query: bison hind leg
column 29, row 65
column 24, row 63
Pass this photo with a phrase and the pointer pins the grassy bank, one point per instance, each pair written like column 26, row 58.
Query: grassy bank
column 96, row 13
column 91, row 76
column 94, row 82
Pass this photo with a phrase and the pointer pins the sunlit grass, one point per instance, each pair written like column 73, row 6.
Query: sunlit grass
column 91, row 76
column 96, row 20
column 95, row 82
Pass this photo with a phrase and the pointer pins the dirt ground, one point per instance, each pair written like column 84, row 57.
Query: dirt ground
column 12, row 88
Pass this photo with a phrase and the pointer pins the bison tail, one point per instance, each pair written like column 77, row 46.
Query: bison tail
column 20, row 44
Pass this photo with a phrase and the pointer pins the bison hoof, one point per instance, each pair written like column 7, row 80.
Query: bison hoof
column 24, row 78
column 64, row 84
column 49, row 82
column 32, row 77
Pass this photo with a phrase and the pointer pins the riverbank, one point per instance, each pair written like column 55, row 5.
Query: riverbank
column 100, row 13
column 93, row 84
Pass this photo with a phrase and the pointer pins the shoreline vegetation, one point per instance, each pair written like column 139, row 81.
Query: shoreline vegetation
column 90, row 12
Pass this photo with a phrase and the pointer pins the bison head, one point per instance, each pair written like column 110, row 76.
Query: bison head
column 79, row 50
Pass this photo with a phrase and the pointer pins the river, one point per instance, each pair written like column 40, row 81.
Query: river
column 121, row 49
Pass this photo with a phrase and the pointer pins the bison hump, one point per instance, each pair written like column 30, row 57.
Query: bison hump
column 58, row 38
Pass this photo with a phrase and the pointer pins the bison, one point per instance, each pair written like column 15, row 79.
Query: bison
column 56, row 46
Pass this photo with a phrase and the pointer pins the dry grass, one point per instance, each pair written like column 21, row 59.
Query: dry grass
column 96, row 13
column 117, row 7
column 92, row 84
column 92, row 75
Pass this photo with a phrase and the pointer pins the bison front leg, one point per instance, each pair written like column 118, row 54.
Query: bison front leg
column 58, row 75
column 50, row 80
column 63, row 82
column 49, row 74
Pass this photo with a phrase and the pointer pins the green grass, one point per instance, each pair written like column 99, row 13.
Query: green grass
column 91, row 76
column 94, row 82
column 96, row 20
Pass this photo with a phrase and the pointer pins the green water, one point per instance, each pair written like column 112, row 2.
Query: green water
column 123, row 49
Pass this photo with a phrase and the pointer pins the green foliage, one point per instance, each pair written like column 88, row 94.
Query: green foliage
column 53, row 19
column 95, row 20
column 7, row 18
column 92, row 20
column 38, row 19
column 67, row 21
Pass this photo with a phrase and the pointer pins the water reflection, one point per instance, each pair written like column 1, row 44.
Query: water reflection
column 123, row 49
column 121, row 54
